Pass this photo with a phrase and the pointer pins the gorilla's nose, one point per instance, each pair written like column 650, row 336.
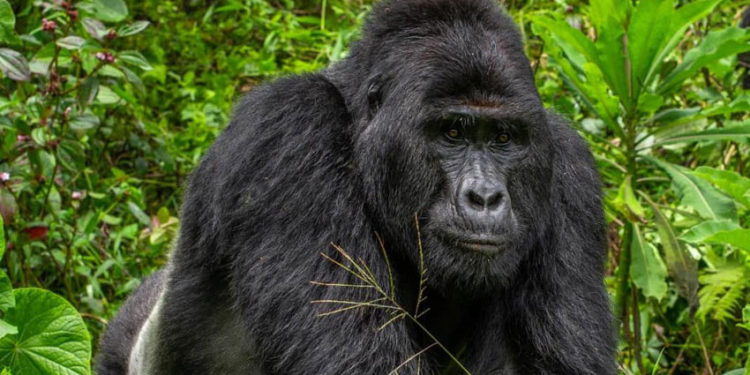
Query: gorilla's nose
column 483, row 197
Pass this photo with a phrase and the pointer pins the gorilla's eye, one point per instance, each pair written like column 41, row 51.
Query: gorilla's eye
column 453, row 133
column 503, row 138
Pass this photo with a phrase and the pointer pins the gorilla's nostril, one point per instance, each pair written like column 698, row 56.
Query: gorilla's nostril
column 475, row 200
column 494, row 200
column 489, row 200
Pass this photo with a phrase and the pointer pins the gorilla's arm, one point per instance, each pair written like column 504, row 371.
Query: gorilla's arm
column 560, row 312
column 275, row 190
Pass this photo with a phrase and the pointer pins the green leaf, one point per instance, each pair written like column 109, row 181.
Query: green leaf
column 7, row 329
column 2, row 237
column 139, row 214
column 682, row 267
column 134, row 58
column 7, row 21
column 655, row 29
column 110, row 10
column 729, row 182
column 709, row 202
column 95, row 28
column 706, row 229
column 6, row 293
column 84, row 122
column 647, row 268
column 716, row 45
column 732, row 132
column 132, row 29
column 739, row 238
column 71, row 42
column 52, row 338
column 14, row 65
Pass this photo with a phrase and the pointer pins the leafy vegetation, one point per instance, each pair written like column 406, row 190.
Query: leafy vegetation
column 106, row 106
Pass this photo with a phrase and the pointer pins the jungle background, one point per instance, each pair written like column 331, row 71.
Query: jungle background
column 107, row 105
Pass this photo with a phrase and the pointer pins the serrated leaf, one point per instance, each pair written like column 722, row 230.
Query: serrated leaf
column 646, row 267
column 132, row 29
column 14, row 65
column 695, row 192
column 134, row 58
column 71, row 42
column 52, row 338
column 682, row 267
column 110, row 10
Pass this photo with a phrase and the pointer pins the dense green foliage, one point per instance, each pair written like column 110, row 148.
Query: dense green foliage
column 105, row 107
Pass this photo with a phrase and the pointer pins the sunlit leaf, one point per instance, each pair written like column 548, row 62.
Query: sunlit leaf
column 52, row 338
column 132, row 29
column 706, row 229
column 646, row 267
column 71, row 42
column 110, row 10
column 709, row 202
column 728, row 181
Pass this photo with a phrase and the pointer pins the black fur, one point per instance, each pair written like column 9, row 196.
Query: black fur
column 338, row 156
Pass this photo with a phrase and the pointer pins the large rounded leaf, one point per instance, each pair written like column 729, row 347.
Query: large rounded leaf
column 52, row 338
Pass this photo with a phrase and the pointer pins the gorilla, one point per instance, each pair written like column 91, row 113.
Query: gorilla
column 428, row 157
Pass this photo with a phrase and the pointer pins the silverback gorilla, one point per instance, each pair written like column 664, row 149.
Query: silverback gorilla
column 431, row 125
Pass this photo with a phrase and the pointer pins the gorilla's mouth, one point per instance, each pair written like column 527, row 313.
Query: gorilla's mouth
column 484, row 244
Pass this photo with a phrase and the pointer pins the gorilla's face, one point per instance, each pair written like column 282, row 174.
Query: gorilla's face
column 465, row 144
column 474, row 211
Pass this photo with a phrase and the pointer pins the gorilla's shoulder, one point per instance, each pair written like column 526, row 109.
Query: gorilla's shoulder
column 289, row 103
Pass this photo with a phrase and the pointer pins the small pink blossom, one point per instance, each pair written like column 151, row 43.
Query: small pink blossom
column 48, row 25
column 76, row 195
column 4, row 176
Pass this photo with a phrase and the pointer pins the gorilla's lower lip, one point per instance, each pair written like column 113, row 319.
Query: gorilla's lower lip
column 484, row 247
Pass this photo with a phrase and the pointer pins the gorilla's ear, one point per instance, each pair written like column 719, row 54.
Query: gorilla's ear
column 374, row 95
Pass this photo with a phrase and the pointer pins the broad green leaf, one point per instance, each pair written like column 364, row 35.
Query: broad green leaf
column 646, row 267
column 655, row 29
column 95, row 28
column 71, row 42
column 84, row 122
column 609, row 18
column 626, row 200
column 576, row 46
column 739, row 238
column 110, row 10
column 134, row 58
column 682, row 267
column 716, row 45
column 732, row 132
column 107, row 96
column 7, row 22
column 728, row 181
column 7, row 329
column 14, row 65
column 52, row 338
column 709, row 202
column 706, row 229
column 6, row 293
column 132, row 29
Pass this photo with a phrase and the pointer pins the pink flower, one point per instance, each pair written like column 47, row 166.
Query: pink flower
column 48, row 25
column 76, row 195
column 4, row 176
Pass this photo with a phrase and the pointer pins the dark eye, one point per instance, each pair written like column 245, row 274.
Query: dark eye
column 453, row 133
column 503, row 138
